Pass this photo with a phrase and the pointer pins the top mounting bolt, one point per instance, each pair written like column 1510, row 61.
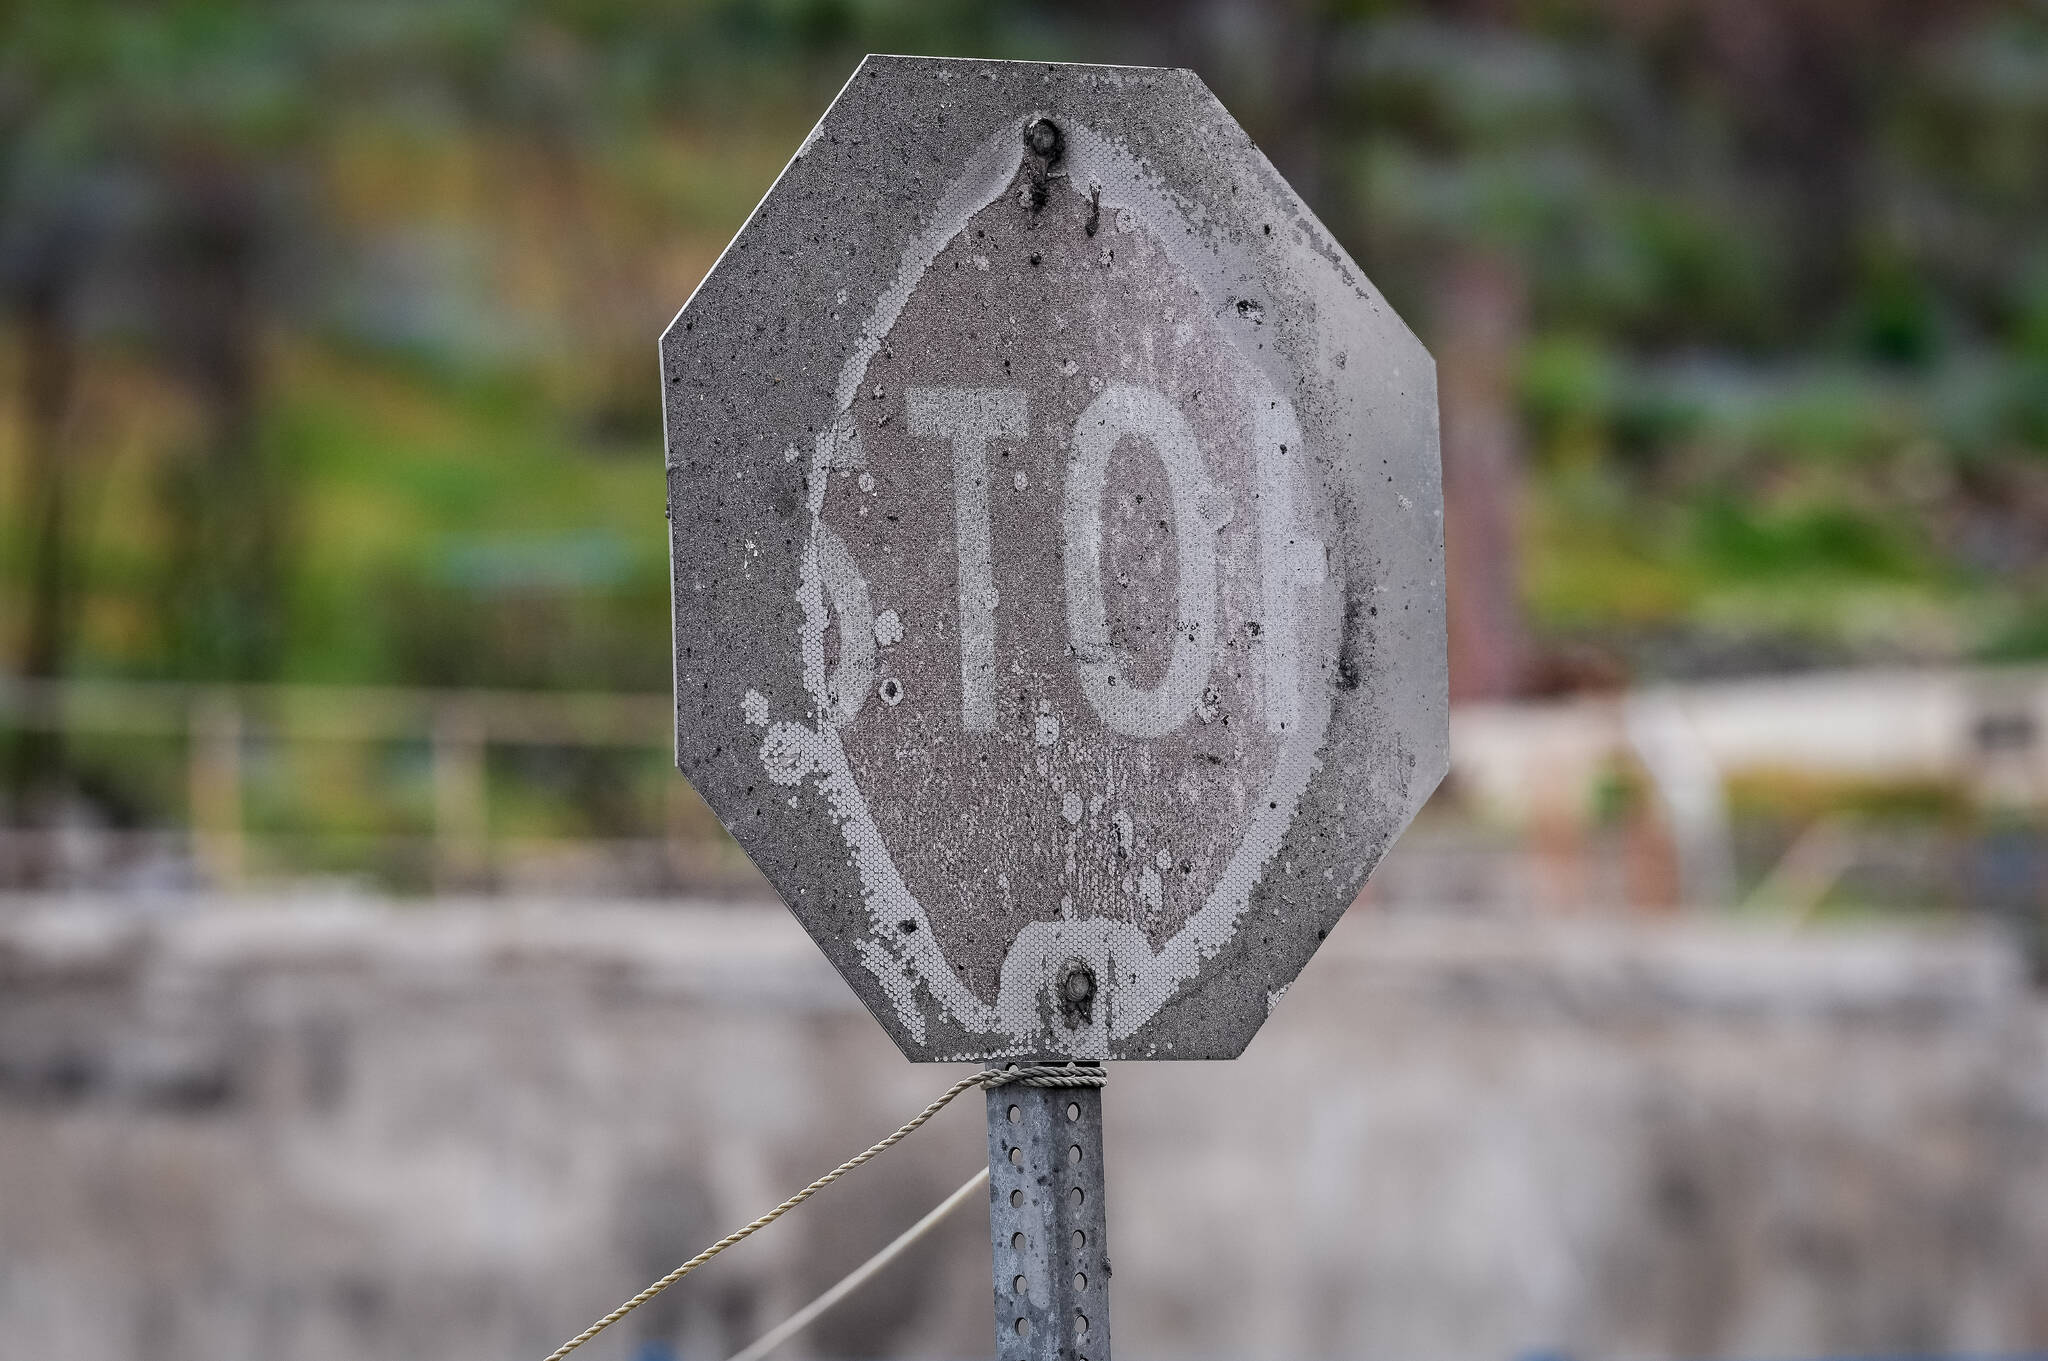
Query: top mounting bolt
column 1043, row 139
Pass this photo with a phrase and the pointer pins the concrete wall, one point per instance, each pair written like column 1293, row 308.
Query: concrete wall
column 293, row 1133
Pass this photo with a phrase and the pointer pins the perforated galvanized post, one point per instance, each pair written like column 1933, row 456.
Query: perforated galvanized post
column 1047, row 1224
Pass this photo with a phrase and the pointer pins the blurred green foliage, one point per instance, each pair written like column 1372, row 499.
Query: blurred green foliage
column 331, row 324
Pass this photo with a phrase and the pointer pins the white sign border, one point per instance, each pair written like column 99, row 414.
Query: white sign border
column 1135, row 982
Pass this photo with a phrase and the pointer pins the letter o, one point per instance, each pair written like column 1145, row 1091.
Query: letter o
column 1124, row 410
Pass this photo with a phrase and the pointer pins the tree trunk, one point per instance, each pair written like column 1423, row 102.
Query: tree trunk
column 225, row 596
column 1479, row 323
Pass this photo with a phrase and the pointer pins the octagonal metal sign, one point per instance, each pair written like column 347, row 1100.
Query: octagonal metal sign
column 1058, row 571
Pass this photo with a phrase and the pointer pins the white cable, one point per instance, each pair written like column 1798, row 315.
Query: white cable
column 1048, row 1075
column 797, row 1322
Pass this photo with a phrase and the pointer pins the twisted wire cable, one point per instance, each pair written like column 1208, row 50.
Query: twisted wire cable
column 1030, row 1075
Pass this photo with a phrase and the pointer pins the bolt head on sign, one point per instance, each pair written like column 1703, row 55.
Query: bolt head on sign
column 1058, row 560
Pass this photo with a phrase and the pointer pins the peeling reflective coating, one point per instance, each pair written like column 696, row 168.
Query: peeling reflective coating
column 1057, row 558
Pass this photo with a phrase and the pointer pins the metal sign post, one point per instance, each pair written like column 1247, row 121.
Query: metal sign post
column 1058, row 567
column 1048, row 1226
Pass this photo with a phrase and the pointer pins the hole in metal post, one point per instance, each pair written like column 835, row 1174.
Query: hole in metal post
column 1016, row 1114
column 1023, row 1327
column 1016, row 1199
column 1018, row 1285
column 1080, row 1239
column 1017, row 1242
column 1073, row 1110
column 1073, row 1154
column 1077, row 1195
column 1080, row 1280
column 1080, row 1324
column 1016, row 1157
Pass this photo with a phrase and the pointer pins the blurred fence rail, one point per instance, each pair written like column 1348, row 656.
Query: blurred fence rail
column 1903, row 788
column 222, row 735
column 1805, row 777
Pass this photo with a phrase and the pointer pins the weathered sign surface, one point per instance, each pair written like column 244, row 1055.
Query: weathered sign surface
column 1057, row 558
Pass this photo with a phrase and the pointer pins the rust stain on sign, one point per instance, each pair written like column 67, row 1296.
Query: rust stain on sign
column 1072, row 680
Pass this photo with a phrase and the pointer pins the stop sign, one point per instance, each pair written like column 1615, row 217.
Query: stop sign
column 1057, row 546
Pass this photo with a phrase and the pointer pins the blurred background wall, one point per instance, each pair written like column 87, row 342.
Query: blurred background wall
column 333, row 590
column 344, row 1131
